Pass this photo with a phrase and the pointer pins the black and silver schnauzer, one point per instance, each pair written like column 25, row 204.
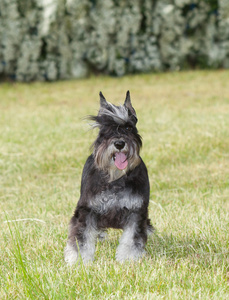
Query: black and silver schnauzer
column 114, row 188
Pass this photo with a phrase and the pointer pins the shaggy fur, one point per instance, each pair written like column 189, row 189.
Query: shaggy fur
column 114, row 188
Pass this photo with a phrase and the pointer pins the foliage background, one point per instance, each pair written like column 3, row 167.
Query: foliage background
column 60, row 39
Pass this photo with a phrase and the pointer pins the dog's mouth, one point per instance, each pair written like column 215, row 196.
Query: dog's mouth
column 120, row 160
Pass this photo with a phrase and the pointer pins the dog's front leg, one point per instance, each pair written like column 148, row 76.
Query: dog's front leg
column 133, row 240
column 82, row 238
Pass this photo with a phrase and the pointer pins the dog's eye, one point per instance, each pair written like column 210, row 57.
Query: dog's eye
column 128, row 128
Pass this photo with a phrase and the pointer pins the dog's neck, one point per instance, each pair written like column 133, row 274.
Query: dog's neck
column 115, row 174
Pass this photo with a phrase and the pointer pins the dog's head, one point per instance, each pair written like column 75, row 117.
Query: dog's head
column 117, row 147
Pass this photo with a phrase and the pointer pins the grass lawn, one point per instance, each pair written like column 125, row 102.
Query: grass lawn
column 44, row 142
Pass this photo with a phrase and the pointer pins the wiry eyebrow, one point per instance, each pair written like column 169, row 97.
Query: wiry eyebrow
column 118, row 113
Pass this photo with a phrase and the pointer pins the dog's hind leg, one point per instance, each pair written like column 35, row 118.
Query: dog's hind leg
column 133, row 240
column 82, row 238
column 150, row 228
column 102, row 235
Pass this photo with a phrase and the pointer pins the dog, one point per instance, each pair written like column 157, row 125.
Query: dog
column 114, row 188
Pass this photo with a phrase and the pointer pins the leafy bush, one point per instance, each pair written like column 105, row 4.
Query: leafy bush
column 60, row 39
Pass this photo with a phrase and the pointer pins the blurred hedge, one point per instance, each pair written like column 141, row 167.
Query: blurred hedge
column 59, row 39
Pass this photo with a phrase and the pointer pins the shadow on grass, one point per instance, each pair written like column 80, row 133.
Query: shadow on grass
column 170, row 247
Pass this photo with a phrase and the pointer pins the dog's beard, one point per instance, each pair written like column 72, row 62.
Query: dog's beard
column 116, row 163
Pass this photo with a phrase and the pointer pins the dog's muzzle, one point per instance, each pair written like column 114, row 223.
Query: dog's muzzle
column 120, row 158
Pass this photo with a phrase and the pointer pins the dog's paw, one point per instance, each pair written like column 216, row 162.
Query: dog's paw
column 128, row 253
column 71, row 254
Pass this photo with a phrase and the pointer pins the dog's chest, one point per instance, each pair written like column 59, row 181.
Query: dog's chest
column 110, row 199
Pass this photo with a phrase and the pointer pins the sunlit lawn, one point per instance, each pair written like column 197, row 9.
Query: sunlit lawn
column 44, row 142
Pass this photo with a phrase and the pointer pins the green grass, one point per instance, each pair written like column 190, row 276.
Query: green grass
column 44, row 142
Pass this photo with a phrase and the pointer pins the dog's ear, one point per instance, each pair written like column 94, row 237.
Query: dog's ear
column 103, row 101
column 128, row 104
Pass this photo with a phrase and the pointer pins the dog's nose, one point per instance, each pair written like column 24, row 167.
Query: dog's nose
column 119, row 145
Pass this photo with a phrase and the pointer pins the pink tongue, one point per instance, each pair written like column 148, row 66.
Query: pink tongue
column 121, row 160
